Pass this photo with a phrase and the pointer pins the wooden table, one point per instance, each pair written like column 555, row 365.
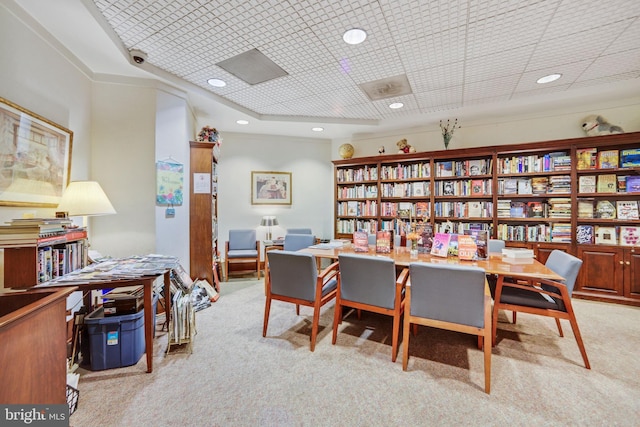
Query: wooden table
column 145, row 281
column 528, row 268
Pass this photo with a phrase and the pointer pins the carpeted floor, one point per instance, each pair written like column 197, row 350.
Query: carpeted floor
column 235, row 377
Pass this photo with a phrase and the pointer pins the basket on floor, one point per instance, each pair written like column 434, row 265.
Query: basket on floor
column 72, row 398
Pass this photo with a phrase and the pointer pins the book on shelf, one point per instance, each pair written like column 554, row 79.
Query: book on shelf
column 524, row 186
column 445, row 168
column 361, row 241
column 440, row 245
column 607, row 159
column 384, row 241
column 622, row 183
column 477, row 167
column 467, row 247
column 633, row 184
column 539, row 184
column 587, row 184
column 510, row 186
column 607, row 183
column 418, row 189
column 425, row 242
column 605, row 210
column 630, row 158
column 422, row 209
column 474, row 209
column 481, row 238
column 518, row 210
column 627, row 209
column 585, row 234
column 477, row 187
column 448, row 188
column 535, row 210
column 352, row 208
column 629, row 235
column 561, row 163
column 585, row 208
column 606, row 235
column 587, row 158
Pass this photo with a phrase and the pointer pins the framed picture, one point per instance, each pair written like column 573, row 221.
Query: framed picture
column 270, row 188
column 35, row 155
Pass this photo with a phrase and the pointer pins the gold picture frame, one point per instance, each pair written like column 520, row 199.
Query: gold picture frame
column 270, row 188
column 35, row 155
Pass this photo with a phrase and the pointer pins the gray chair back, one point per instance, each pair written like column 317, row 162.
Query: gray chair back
column 450, row 293
column 295, row 242
column 565, row 265
column 496, row 246
column 368, row 279
column 242, row 239
column 299, row 231
column 293, row 274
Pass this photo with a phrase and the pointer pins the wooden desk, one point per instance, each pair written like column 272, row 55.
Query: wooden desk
column 496, row 264
column 145, row 281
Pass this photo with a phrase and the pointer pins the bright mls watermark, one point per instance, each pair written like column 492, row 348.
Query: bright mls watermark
column 34, row 415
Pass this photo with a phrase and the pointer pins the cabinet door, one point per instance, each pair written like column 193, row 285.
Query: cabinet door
column 542, row 250
column 602, row 270
column 632, row 273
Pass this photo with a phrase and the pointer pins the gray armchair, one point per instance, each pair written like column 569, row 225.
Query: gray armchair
column 543, row 297
column 242, row 249
column 292, row 277
column 496, row 246
column 369, row 283
column 451, row 297
column 299, row 231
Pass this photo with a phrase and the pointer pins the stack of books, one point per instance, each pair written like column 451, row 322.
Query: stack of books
column 28, row 231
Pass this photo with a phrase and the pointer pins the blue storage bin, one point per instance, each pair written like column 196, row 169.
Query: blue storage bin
column 116, row 341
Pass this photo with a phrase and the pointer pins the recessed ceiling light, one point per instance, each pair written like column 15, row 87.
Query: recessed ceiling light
column 242, row 122
column 396, row 105
column 217, row 82
column 354, row 36
column 548, row 79
column 318, row 129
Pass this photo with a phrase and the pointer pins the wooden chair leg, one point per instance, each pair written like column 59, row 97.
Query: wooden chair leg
column 576, row 333
column 394, row 340
column 314, row 325
column 405, row 342
column 297, row 309
column 559, row 327
column 267, row 308
column 337, row 319
column 513, row 317
column 487, row 361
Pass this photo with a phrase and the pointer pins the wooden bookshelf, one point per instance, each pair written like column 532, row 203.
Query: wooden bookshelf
column 526, row 194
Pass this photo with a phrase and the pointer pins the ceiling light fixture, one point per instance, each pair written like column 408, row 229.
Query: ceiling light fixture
column 354, row 36
column 242, row 122
column 548, row 79
column 318, row 129
column 217, row 82
column 396, row 105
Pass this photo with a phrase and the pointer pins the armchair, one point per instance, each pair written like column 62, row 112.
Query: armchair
column 544, row 297
column 299, row 231
column 292, row 242
column 242, row 249
column 451, row 297
column 292, row 277
column 369, row 283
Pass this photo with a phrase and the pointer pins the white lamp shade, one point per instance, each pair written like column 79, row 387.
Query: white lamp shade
column 85, row 198
column 268, row 221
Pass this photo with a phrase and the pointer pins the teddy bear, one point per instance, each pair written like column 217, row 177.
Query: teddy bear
column 404, row 147
column 597, row 125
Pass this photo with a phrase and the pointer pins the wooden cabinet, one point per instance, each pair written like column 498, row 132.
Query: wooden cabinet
column 530, row 195
column 203, row 212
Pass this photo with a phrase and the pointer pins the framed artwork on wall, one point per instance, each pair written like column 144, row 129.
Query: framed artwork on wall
column 270, row 188
column 35, row 155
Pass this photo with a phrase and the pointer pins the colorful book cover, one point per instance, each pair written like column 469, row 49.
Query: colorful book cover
column 466, row 247
column 629, row 236
column 481, row 238
column 605, row 210
column 633, row 184
column 608, row 159
column 630, row 158
column 453, row 244
column 361, row 241
column 477, row 187
column 587, row 184
column 585, row 208
column 627, row 209
column 383, row 241
column 535, row 210
column 584, row 234
column 425, row 243
column 608, row 183
column 422, row 209
column 586, row 158
column 441, row 244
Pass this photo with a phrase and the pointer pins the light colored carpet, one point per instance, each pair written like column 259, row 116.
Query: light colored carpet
column 235, row 377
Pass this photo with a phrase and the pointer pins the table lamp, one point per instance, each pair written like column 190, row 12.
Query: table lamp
column 268, row 221
column 85, row 198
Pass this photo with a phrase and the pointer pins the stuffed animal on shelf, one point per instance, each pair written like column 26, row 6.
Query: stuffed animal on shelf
column 381, row 149
column 404, row 147
column 598, row 125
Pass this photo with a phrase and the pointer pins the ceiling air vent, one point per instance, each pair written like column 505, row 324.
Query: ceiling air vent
column 387, row 88
column 252, row 67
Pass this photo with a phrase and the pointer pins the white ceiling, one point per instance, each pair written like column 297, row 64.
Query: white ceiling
column 462, row 58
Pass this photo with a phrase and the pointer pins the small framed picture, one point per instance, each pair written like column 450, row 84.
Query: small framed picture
column 270, row 188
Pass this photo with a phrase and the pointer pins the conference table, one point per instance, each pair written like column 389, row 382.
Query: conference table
column 501, row 266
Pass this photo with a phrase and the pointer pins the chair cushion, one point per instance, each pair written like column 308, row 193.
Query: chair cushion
column 245, row 253
column 521, row 297
column 242, row 239
column 329, row 286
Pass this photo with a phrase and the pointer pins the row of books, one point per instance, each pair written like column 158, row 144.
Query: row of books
column 28, row 231
column 464, row 167
column 365, row 173
column 470, row 187
column 413, row 170
column 358, row 191
column 536, row 185
column 534, row 163
column 406, row 209
column 472, row 209
column 606, row 235
column 591, row 158
column 348, row 226
column 405, row 189
column 358, row 208
column 56, row 261
column 605, row 209
column 609, row 183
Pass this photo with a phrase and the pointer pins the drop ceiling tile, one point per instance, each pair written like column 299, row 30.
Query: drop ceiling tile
column 491, row 88
column 430, row 101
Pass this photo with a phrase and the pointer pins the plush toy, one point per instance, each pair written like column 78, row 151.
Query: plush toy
column 381, row 149
column 404, row 147
column 597, row 125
